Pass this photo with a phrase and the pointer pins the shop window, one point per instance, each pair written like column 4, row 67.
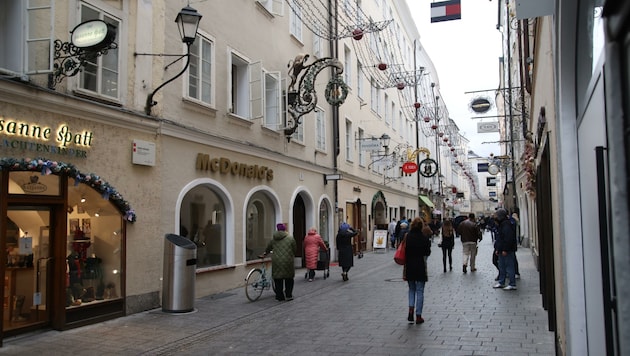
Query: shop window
column 261, row 218
column 94, row 245
column 203, row 221
column 101, row 75
column 33, row 183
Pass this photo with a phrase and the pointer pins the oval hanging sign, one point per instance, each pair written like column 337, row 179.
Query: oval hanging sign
column 93, row 35
column 410, row 167
column 480, row 105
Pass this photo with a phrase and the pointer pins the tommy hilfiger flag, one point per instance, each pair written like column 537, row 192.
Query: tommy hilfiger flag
column 446, row 10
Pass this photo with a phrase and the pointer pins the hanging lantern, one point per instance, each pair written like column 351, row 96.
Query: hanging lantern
column 445, row 139
column 417, row 105
column 450, row 144
column 452, row 149
column 427, row 119
column 357, row 34
column 434, row 127
column 400, row 86
column 382, row 66
column 441, row 134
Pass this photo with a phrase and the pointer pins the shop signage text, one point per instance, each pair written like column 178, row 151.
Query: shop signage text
column 13, row 133
column 226, row 166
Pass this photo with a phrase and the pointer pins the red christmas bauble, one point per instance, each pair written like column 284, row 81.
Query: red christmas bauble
column 382, row 66
column 357, row 34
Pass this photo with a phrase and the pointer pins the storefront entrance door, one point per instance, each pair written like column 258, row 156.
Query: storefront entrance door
column 28, row 267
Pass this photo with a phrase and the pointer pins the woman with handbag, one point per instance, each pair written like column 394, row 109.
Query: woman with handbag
column 448, row 242
column 417, row 248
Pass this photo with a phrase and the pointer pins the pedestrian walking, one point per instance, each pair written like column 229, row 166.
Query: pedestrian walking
column 401, row 229
column 470, row 235
column 282, row 262
column 448, row 243
column 391, row 232
column 313, row 243
column 516, row 222
column 417, row 249
column 344, row 245
column 505, row 246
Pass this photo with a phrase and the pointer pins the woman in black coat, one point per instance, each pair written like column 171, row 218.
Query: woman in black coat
column 417, row 248
column 344, row 246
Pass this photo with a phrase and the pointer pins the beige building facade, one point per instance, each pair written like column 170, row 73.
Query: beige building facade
column 111, row 155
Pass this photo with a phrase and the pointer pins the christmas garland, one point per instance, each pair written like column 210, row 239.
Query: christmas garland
column 47, row 167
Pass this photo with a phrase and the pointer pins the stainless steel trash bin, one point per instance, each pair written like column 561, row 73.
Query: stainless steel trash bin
column 178, row 282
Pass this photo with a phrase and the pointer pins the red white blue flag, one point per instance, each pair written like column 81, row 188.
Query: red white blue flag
column 446, row 11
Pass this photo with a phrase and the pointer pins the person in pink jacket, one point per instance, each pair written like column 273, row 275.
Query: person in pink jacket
column 312, row 243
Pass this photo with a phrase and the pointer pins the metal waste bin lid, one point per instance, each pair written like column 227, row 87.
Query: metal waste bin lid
column 181, row 241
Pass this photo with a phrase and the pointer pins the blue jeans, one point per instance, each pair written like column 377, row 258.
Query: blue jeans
column 506, row 268
column 416, row 295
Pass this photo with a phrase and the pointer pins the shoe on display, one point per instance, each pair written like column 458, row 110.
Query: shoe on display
column 498, row 285
column 510, row 288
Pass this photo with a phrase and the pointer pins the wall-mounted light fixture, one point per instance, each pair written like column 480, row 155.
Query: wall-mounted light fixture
column 187, row 22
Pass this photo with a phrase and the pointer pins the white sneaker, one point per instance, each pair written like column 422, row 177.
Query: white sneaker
column 510, row 288
column 498, row 285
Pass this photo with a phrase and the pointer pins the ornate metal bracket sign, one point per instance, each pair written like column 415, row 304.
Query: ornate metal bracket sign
column 89, row 40
column 304, row 99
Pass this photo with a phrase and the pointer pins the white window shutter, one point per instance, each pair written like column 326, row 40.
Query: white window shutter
column 278, row 104
column 256, row 90
column 277, row 7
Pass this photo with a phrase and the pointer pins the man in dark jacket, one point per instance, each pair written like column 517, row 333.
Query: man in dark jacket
column 505, row 248
column 470, row 234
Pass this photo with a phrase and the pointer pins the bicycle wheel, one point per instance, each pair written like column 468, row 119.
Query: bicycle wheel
column 254, row 285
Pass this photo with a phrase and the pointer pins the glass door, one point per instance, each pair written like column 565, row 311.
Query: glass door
column 28, row 264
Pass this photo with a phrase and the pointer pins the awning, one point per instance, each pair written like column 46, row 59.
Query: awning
column 426, row 201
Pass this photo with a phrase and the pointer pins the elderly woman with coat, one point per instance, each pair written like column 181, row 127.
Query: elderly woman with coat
column 417, row 248
column 312, row 244
column 344, row 246
column 283, row 246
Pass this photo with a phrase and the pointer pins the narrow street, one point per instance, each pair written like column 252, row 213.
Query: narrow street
column 463, row 315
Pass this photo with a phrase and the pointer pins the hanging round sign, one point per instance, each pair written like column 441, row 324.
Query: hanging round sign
column 93, row 35
column 480, row 105
column 409, row 167
column 428, row 167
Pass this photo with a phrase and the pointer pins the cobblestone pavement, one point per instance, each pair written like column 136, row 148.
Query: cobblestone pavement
column 463, row 315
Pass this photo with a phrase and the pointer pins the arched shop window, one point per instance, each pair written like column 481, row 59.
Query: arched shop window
column 260, row 224
column 203, row 221
column 94, row 245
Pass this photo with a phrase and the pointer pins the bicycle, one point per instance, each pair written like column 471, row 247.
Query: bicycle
column 258, row 279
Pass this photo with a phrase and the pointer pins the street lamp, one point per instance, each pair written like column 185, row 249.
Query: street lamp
column 187, row 22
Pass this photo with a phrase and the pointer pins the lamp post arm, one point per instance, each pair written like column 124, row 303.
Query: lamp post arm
column 150, row 103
